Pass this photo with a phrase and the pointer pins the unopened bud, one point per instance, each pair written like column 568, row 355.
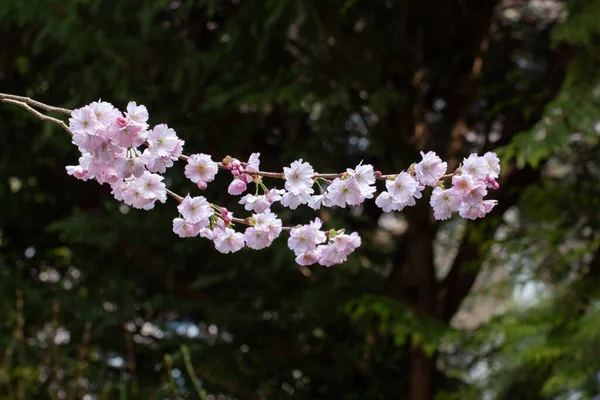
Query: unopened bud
column 121, row 121
column 202, row 185
column 377, row 173
column 492, row 183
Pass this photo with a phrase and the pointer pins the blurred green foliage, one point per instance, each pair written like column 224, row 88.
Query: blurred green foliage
column 103, row 301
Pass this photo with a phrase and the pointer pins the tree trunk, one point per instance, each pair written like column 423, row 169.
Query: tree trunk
column 422, row 375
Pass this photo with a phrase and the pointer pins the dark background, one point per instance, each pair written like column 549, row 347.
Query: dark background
column 97, row 300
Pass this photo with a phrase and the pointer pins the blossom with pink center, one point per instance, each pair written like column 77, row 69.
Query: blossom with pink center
column 237, row 187
column 430, row 169
column 444, row 202
column 195, row 210
column 201, row 169
column 462, row 184
column 227, row 240
column 184, row 228
column 476, row 167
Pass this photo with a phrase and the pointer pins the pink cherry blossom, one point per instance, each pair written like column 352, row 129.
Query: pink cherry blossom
column 476, row 167
column 364, row 175
column 78, row 172
column 471, row 210
column 298, row 176
column 184, row 228
column 476, row 194
column 228, row 241
column 493, row 163
column 386, row 202
column 152, row 187
column 83, row 120
column 337, row 251
column 305, row 238
column 444, row 202
column 195, row 210
column 344, row 192
column 402, row 188
column 236, row 187
column 127, row 167
column 462, row 184
column 309, row 258
column 162, row 140
column 430, row 169
column 255, row 203
column 253, row 163
column 293, row 200
column 137, row 114
column 201, row 169
column 256, row 238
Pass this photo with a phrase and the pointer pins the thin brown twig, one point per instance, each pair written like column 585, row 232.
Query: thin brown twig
column 35, row 103
column 38, row 114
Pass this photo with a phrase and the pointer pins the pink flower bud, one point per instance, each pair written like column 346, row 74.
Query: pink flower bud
column 235, row 172
column 202, row 185
column 121, row 121
column 491, row 183
column 377, row 173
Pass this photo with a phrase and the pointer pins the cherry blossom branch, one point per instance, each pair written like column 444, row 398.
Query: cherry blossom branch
column 110, row 144
column 38, row 114
column 316, row 175
column 34, row 103
column 26, row 103
column 242, row 221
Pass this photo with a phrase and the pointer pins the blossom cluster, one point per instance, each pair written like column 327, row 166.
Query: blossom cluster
column 470, row 185
column 110, row 141
column 120, row 149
